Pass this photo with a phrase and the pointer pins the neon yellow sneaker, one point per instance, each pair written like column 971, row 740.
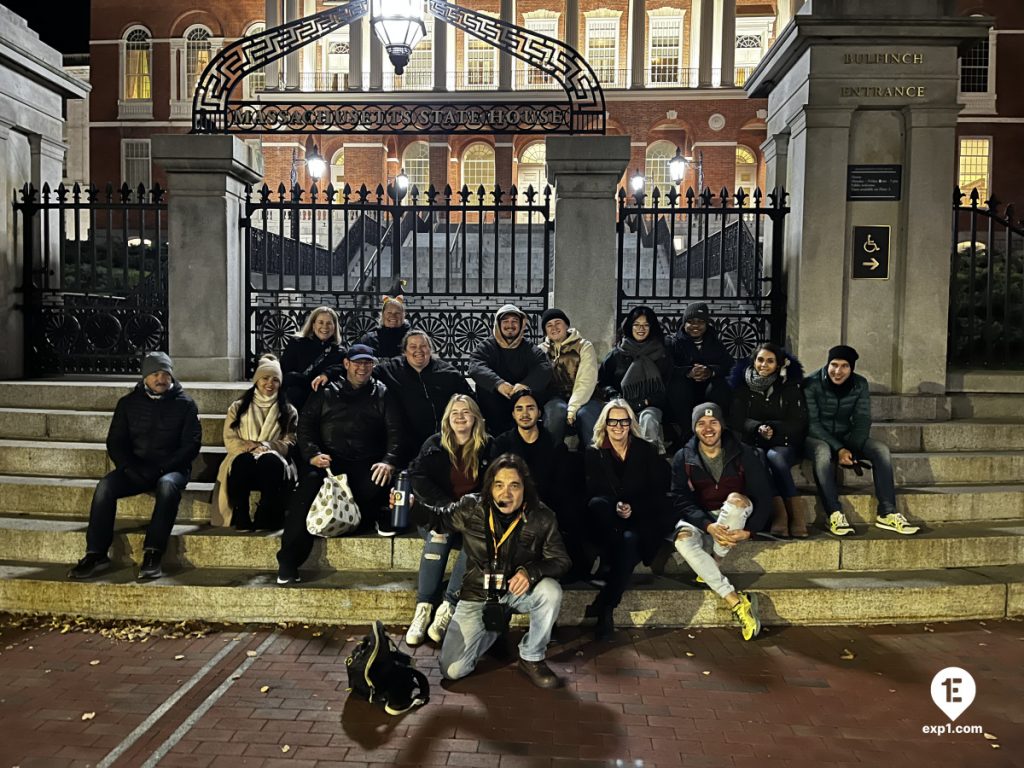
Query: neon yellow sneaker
column 838, row 525
column 896, row 522
column 745, row 612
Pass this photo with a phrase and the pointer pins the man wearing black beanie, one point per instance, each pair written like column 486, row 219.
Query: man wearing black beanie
column 839, row 410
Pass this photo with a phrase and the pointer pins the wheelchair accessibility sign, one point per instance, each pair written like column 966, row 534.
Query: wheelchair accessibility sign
column 871, row 253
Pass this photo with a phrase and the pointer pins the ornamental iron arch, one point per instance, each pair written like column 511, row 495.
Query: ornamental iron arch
column 214, row 111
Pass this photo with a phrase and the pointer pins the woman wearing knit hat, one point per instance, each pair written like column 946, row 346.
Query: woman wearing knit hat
column 386, row 338
column 259, row 433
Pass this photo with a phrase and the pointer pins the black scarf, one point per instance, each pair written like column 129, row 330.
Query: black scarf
column 642, row 380
column 758, row 383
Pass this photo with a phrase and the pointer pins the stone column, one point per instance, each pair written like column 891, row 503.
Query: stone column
column 584, row 170
column 355, row 54
column 440, row 55
column 728, row 43
column 206, row 295
column 508, row 14
column 377, row 63
column 291, row 60
column 572, row 24
column 273, row 19
column 707, row 32
column 638, row 41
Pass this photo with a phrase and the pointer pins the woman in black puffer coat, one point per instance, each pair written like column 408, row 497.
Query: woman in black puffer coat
column 769, row 412
column 314, row 349
column 386, row 338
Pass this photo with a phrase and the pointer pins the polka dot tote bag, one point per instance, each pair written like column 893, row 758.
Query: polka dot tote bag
column 334, row 511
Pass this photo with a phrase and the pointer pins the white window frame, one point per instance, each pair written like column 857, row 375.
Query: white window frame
column 133, row 109
column 134, row 183
column 467, row 40
column 543, row 22
column 597, row 19
column 662, row 15
column 988, row 170
column 181, row 100
column 494, row 168
column 981, row 102
column 411, row 165
column 419, row 72
column 335, row 78
column 656, row 172
column 251, row 89
column 755, row 26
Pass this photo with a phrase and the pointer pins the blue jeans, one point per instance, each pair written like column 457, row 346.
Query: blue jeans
column 820, row 454
column 436, row 548
column 467, row 640
column 780, row 460
column 555, row 411
column 118, row 485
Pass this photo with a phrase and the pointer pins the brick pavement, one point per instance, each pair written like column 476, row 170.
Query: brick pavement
column 654, row 697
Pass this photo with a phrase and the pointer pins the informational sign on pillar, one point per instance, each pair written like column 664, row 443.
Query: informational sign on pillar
column 871, row 253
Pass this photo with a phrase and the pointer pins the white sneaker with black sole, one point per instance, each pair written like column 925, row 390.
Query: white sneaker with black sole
column 442, row 618
column 417, row 631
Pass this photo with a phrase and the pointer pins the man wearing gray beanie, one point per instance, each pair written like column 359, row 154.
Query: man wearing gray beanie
column 153, row 439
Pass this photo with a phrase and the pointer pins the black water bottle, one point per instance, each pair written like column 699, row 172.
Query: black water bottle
column 400, row 509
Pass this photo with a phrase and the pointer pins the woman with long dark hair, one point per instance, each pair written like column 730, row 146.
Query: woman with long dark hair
column 259, row 434
column 769, row 412
column 315, row 348
column 637, row 370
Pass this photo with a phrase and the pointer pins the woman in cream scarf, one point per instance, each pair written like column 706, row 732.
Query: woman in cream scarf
column 259, row 432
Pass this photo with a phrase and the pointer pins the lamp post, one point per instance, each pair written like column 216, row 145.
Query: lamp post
column 677, row 168
column 398, row 189
column 399, row 26
column 315, row 164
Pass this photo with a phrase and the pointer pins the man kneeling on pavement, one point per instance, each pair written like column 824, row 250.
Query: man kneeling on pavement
column 516, row 557
column 722, row 493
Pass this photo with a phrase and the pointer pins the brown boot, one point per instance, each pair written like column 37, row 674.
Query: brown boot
column 539, row 674
column 797, row 520
column 780, row 519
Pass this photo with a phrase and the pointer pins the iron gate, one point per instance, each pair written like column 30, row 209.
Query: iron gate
column 456, row 256
column 94, row 277
column 675, row 251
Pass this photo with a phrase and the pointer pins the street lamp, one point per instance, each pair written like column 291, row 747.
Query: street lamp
column 677, row 167
column 636, row 183
column 401, row 184
column 399, row 25
column 315, row 164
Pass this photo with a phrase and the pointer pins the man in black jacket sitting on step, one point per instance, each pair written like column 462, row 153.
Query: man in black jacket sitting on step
column 153, row 439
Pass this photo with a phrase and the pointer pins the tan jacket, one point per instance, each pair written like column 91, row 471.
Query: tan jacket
column 574, row 361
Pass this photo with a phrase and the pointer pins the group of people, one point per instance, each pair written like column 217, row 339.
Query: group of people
column 493, row 473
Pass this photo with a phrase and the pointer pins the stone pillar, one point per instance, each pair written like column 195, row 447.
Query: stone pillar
column 572, row 24
column 584, row 170
column 273, row 19
column 508, row 14
column 440, row 55
column 883, row 91
column 291, row 60
column 377, row 63
column 707, row 32
column 728, row 43
column 206, row 295
column 638, row 43
column 355, row 54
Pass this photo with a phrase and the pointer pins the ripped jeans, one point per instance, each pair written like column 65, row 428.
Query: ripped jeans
column 436, row 548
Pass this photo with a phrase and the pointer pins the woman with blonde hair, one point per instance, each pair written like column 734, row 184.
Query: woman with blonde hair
column 450, row 464
column 259, row 434
column 628, row 510
column 314, row 349
column 386, row 338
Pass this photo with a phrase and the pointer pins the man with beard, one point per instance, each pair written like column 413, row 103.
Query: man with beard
column 701, row 366
column 705, row 471
column 153, row 439
column 505, row 364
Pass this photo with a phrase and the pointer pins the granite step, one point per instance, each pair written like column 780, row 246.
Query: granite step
column 233, row 595
column 71, row 497
column 927, row 469
column 212, row 397
column 987, row 405
column 83, row 459
column 80, row 426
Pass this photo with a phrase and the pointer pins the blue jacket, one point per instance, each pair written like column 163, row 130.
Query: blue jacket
column 842, row 422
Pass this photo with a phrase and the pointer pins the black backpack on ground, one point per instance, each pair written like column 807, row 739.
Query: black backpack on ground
column 382, row 674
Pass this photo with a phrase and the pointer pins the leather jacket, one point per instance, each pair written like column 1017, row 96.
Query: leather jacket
column 351, row 424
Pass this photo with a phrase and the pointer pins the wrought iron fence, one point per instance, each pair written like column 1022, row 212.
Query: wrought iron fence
column 94, row 277
column 457, row 257
column 986, row 285
column 676, row 250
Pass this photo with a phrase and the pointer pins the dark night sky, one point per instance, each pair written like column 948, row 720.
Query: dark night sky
column 63, row 24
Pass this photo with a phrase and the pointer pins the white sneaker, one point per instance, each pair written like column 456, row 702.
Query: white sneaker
column 442, row 618
column 896, row 522
column 418, row 626
column 838, row 525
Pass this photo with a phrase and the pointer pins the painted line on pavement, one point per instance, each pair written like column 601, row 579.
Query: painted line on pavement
column 210, row 700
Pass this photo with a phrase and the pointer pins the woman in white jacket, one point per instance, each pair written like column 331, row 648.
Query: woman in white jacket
column 573, row 380
column 259, row 434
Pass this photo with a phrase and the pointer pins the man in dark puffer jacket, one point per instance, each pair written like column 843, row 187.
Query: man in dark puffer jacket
column 353, row 427
column 701, row 366
column 152, row 440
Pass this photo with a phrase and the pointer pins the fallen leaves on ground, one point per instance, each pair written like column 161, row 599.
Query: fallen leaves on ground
column 264, row 689
column 251, row 654
column 116, row 629
column 88, row 715
column 990, row 736
column 847, row 655
column 179, row 657
column 94, row 662
column 286, row 748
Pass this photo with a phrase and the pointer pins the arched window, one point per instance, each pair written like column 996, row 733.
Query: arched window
column 478, row 167
column 256, row 81
column 746, row 170
column 656, row 166
column 416, row 162
column 535, row 154
column 338, row 170
column 138, row 65
column 197, row 56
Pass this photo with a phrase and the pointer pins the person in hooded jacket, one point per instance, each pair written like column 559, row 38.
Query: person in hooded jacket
column 506, row 363
column 571, row 404
column 314, row 349
column 259, row 435
column 153, row 438
column 637, row 369
column 769, row 412
column 701, row 367
column 386, row 339
column 351, row 427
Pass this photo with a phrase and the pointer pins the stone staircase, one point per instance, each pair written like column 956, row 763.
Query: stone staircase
column 963, row 478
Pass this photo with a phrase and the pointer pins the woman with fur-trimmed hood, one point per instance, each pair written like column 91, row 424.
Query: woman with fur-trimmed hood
column 769, row 411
